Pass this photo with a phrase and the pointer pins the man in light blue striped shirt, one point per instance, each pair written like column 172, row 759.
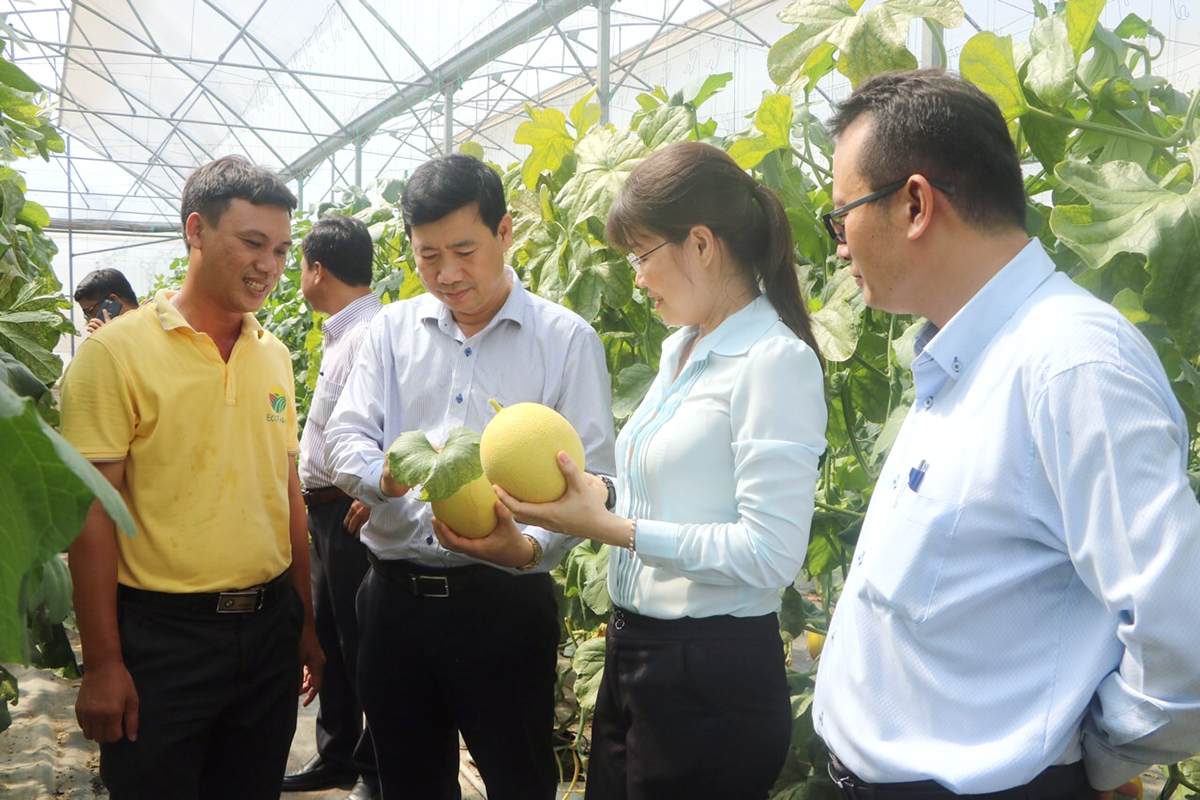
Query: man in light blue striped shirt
column 450, row 644
column 1017, row 618
column 335, row 276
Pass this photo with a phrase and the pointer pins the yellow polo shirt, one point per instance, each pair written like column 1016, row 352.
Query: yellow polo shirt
column 207, row 446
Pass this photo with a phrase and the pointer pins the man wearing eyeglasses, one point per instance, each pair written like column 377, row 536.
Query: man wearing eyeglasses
column 1011, row 621
column 103, row 295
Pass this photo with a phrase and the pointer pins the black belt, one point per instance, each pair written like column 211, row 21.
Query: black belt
column 426, row 581
column 323, row 495
column 1065, row 780
column 239, row 601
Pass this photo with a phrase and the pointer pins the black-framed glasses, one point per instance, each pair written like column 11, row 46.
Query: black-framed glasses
column 89, row 312
column 636, row 261
column 834, row 220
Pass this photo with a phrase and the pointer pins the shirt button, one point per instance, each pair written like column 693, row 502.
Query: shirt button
column 458, row 398
column 895, row 481
column 956, row 366
column 821, row 717
column 467, row 351
column 858, row 559
column 928, row 402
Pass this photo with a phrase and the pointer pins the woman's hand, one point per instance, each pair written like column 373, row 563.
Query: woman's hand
column 505, row 545
column 579, row 512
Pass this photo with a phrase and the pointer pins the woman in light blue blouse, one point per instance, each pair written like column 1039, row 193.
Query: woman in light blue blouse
column 714, row 489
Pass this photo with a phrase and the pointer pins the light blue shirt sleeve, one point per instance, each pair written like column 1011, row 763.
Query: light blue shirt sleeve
column 355, row 428
column 777, row 416
column 1112, row 446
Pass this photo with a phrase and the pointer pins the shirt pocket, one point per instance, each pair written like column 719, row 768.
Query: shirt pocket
column 905, row 564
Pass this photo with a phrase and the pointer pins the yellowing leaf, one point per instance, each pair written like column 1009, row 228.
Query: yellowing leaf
column 584, row 114
column 546, row 132
column 1082, row 16
column 987, row 61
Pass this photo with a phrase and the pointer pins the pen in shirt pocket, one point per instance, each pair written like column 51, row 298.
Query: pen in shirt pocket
column 917, row 474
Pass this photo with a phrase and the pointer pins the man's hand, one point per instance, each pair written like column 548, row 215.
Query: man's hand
column 357, row 516
column 98, row 321
column 313, row 660
column 505, row 545
column 107, row 704
column 390, row 486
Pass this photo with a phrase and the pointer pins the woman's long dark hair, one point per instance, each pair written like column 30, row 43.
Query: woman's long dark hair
column 691, row 183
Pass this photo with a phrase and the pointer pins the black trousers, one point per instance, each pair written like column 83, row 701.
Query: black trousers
column 339, row 563
column 690, row 708
column 480, row 661
column 217, row 696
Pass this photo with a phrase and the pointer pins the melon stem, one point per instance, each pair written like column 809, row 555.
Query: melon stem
column 495, row 405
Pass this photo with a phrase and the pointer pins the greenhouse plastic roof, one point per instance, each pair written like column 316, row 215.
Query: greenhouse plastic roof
column 149, row 89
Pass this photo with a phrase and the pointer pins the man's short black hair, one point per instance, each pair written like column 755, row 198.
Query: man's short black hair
column 343, row 246
column 446, row 184
column 211, row 188
column 100, row 283
column 937, row 124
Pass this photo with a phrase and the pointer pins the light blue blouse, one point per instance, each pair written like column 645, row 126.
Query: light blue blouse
column 719, row 465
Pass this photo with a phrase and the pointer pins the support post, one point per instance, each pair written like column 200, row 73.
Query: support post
column 604, row 58
column 448, row 107
column 358, row 145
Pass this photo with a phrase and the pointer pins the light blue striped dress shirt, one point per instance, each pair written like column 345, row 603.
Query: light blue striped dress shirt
column 1025, row 599
column 416, row 371
column 719, row 465
column 343, row 333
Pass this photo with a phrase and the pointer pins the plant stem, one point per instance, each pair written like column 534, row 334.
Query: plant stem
column 869, row 367
column 835, row 509
column 848, row 418
column 937, row 37
column 1137, row 136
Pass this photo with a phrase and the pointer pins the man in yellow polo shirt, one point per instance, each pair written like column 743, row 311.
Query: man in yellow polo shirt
column 195, row 630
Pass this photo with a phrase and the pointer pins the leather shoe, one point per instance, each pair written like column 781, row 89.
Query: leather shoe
column 318, row 774
column 364, row 791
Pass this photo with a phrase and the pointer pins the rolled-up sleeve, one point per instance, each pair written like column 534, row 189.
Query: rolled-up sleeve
column 1115, row 445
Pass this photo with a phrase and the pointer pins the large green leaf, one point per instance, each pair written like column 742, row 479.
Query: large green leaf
column 20, row 336
column 605, row 161
column 546, row 132
column 987, row 61
column 14, row 76
column 835, row 323
column 869, row 43
column 1082, row 16
column 667, row 123
column 1051, row 73
column 413, row 461
column 696, row 92
column 1128, row 212
column 588, row 663
column 632, row 384
column 774, row 121
column 46, row 489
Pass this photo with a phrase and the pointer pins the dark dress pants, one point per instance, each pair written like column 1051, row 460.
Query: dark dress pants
column 217, row 695
column 481, row 662
column 339, row 562
column 690, row 708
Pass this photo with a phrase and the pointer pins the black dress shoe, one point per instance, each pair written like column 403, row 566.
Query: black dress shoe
column 364, row 791
column 318, row 774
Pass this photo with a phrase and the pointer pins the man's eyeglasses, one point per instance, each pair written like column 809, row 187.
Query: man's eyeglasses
column 834, row 220
column 89, row 312
column 636, row 261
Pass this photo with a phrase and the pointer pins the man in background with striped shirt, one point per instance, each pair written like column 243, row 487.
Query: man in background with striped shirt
column 336, row 280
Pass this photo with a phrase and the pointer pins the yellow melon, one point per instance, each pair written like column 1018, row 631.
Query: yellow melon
column 471, row 511
column 519, row 451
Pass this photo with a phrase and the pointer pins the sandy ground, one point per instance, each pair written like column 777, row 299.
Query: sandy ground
column 44, row 756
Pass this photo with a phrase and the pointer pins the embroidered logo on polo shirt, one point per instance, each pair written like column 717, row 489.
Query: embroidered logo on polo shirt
column 277, row 399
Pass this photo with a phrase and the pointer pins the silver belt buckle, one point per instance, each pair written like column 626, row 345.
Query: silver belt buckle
column 241, row 602
column 419, row 583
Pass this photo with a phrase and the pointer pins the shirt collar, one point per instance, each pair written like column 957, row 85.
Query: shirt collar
column 957, row 346
column 336, row 324
column 170, row 318
column 513, row 308
column 736, row 334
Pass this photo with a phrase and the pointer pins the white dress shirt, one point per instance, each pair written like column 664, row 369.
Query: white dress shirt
column 1021, row 595
column 343, row 333
column 719, row 465
column 416, row 371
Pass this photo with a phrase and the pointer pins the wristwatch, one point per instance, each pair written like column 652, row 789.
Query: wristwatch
column 611, row 501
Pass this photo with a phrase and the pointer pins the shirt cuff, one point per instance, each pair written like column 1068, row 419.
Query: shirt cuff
column 366, row 488
column 657, row 542
column 1106, row 770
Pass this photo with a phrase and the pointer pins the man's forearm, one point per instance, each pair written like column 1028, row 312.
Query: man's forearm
column 298, row 536
column 93, row 563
